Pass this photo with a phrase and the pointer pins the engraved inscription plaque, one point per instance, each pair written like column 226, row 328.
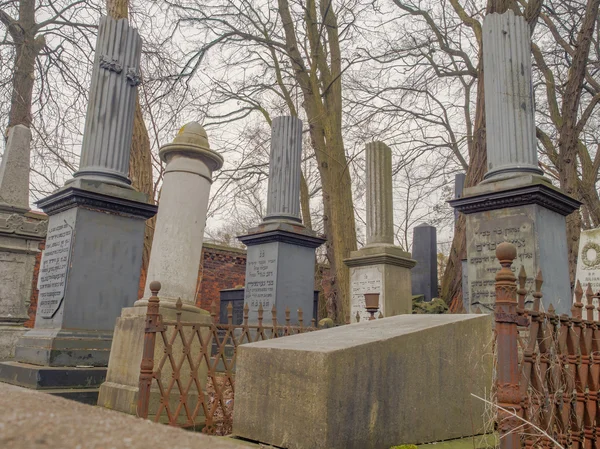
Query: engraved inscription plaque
column 365, row 280
column 588, row 264
column 54, row 268
column 261, row 272
column 482, row 238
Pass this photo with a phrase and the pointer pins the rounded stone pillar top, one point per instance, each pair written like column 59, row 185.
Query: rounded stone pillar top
column 192, row 141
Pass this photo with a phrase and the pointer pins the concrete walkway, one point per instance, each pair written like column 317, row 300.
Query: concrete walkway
column 34, row 420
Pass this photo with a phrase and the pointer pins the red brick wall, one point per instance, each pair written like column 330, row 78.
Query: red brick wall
column 34, row 291
column 222, row 267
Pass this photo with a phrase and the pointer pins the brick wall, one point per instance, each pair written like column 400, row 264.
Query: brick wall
column 34, row 291
column 222, row 267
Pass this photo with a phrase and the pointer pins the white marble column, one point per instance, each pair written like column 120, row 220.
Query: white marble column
column 509, row 105
column 283, row 197
column 380, row 209
column 14, row 170
column 110, row 113
column 177, row 245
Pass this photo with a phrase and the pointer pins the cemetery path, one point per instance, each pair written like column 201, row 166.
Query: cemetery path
column 35, row 420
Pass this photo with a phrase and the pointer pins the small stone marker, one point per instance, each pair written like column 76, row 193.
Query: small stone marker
column 380, row 266
column 281, row 251
column 424, row 251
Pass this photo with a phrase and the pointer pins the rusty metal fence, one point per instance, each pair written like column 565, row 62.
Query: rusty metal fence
column 547, row 366
column 187, row 376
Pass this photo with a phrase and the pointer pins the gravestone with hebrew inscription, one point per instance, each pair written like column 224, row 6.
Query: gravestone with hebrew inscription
column 280, row 262
column 380, row 266
column 90, row 267
column 515, row 202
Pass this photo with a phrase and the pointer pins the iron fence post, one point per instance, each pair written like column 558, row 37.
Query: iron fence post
column 507, row 383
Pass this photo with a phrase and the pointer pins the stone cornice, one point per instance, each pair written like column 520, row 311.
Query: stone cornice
column 540, row 194
column 380, row 259
column 21, row 226
column 305, row 238
column 70, row 197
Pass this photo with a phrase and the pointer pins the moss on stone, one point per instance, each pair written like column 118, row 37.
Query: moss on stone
column 404, row 446
column 435, row 306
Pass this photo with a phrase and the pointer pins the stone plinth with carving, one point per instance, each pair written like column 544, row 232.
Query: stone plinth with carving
column 380, row 266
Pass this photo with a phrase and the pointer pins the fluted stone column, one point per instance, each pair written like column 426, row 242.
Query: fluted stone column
column 174, row 262
column 281, row 251
column 515, row 202
column 110, row 113
column 283, row 197
column 91, row 265
column 380, row 210
column 380, row 266
column 509, row 106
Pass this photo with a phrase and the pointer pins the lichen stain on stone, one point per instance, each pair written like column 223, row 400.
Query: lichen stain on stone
column 373, row 417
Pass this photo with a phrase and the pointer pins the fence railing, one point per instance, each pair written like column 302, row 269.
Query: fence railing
column 547, row 366
column 187, row 375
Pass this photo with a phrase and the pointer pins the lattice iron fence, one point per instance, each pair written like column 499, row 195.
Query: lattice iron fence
column 187, row 376
column 547, row 366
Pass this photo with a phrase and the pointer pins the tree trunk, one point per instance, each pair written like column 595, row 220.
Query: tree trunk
column 140, row 159
column 28, row 46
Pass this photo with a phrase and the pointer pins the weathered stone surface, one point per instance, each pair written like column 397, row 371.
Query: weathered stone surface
column 179, row 233
column 383, row 269
column 405, row 379
column 509, row 108
column 380, row 208
column 14, row 169
column 120, row 391
column 424, row 251
column 540, row 238
column 283, row 197
column 109, row 118
column 32, row 419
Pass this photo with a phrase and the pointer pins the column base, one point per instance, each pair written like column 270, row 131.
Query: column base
column 79, row 384
column 120, row 391
column 9, row 335
column 383, row 269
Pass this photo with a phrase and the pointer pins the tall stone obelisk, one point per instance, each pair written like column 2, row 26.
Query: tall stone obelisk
column 380, row 266
column 21, row 232
column 280, row 263
column 174, row 262
column 91, row 265
column 514, row 202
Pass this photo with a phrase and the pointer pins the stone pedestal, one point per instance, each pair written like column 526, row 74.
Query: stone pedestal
column 20, row 235
column 384, row 270
column 424, row 252
column 174, row 262
column 280, row 271
column 529, row 213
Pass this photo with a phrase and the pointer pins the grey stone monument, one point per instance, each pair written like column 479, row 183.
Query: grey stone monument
column 380, row 266
column 514, row 202
column 21, row 232
column 280, row 267
column 91, row 265
column 424, row 251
